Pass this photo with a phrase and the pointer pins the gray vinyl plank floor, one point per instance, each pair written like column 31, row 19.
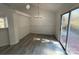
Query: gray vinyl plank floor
column 34, row 44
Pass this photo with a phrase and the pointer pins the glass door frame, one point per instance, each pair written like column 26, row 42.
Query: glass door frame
column 66, row 30
column 67, row 27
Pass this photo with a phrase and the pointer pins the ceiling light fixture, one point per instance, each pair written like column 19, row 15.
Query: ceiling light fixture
column 38, row 12
column 27, row 6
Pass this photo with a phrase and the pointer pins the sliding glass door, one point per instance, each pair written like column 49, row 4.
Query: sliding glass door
column 73, row 36
column 64, row 27
column 70, row 31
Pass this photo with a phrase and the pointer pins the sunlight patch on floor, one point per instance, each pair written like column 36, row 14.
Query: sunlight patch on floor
column 45, row 40
column 52, row 52
column 36, row 39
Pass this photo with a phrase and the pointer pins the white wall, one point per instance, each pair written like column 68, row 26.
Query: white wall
column 21, row 25
column 4, row 38
column 43, row 25
column 58, row 19
column 18, row 26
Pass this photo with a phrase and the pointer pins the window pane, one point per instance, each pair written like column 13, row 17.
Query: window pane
column 64, row 29
column 2, row 23
column 73, row 37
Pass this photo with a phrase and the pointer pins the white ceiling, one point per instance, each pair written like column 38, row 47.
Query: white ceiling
column 53, row 6
column 46, row 6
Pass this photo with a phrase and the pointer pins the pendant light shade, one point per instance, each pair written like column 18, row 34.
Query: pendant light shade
column 28, row 6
